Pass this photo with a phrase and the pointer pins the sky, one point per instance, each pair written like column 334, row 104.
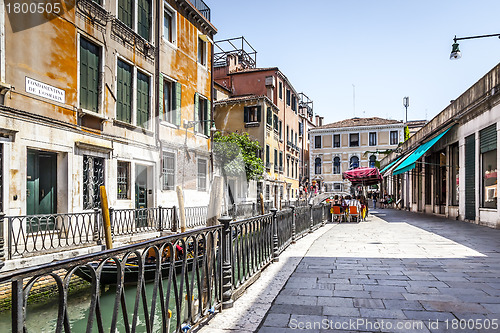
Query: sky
column 361, row 57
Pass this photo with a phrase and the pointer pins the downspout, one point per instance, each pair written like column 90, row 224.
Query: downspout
column 157, row 85
column 212, row 104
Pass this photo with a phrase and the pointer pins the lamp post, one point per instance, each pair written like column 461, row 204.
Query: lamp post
column 406, row 104
column 455, row 51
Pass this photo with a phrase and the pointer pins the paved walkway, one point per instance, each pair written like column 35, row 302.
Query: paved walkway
column 398, row 272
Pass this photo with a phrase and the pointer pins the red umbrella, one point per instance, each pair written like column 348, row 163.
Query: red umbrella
column 363, row 176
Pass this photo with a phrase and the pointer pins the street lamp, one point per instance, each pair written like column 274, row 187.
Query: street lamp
column 455, row 51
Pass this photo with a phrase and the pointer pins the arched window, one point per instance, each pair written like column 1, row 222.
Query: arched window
column 336, row 165
column 373, row 159
column 354, row 162
column 317, row 166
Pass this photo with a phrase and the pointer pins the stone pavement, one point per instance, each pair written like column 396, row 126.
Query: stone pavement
column 398, row 272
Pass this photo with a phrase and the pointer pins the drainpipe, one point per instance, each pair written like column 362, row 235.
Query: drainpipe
column 157, row 84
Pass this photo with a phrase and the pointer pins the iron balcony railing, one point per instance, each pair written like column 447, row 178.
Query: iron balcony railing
column 202, row 8
column 196, row 216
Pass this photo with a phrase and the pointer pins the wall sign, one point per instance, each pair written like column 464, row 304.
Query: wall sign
column 44, row 90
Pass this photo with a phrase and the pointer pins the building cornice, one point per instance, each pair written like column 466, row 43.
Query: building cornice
column 356, row 128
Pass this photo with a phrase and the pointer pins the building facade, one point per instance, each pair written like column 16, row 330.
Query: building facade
column 449, row 167
column 99, row 95
column 349, row 144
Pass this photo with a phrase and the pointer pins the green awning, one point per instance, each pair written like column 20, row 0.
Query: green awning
column 409, row 163
column 389, row 165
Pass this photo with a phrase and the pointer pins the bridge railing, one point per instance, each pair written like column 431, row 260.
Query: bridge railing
column 185, row 277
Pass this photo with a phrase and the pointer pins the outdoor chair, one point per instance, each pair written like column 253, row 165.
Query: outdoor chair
column 337, row 214
column 354, row 213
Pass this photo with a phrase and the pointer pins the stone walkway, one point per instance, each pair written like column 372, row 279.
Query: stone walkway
column 398, row 272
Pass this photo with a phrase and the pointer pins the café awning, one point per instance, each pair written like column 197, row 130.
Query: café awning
column 409, row 163
column 363, row 176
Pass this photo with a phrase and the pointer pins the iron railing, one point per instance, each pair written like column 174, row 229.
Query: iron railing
column 196, row 216
column 185, row 284
column 186, row 276
column 202, row 8
column 36, row 234
column 251, row 247
column 132, row 221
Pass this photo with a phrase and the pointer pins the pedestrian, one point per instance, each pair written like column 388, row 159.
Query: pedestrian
column 374, row 197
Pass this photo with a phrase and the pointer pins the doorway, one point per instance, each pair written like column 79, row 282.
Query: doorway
column 41, row 188
column 141, row 195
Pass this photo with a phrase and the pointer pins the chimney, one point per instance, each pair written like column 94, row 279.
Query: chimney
column 232, row 63
column 321, row 121
column 270, row 85
column 317, row 120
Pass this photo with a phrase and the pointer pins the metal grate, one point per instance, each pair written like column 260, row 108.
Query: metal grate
column 93, row 178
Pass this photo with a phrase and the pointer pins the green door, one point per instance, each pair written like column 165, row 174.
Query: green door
column 41, row 188
column 141, row 196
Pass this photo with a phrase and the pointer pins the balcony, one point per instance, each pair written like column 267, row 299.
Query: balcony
column 202, row 8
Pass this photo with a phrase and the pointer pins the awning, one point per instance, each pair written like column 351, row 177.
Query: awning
column 390, row 164
column 364, row 176
column 409, row 163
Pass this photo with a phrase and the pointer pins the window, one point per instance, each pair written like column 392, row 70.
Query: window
column 295, row 139
column 288, row 167
column 143, row 100
column 301, row 128
column 202, row 174
column 269, row 118
column 336, row 165
column 202, row 52
column 127, row 14
column 171, row 102
column 373, row 160
column 354, row 140
column 275, row 160
column 268, row 157
column 90, row 80
column 336, row 141
column 294, row 103
column 251, row 114
column 281, row 161
column 288, row 97
column 291, row 138
column 276, row 125
column 169, row 26
column 317, row 141
column 372, row 138
column 123, row 180
column 488, row 149
column 280, row 125
column 268, row 192
column 317, row 166
column 354, row 162
column 93, row 179
column 280, row 89
column 201, row 114
column 168, row 171
column 124, row 92
column 394, row 137
column 288, row 133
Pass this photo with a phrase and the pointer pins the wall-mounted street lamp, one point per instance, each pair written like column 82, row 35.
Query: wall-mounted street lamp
column 192, row 123
column 455, row 51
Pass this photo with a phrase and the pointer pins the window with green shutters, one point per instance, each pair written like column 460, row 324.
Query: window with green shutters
column 124, row 92
column 126, row 12
column 269, row 117
column 89, row 75
column 144, row 18
column 142, row 100
column 202, row 114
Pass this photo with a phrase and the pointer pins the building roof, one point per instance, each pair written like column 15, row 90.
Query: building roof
column 244, row 98
column 415, row 123
column 249, row 70
column 354, row 122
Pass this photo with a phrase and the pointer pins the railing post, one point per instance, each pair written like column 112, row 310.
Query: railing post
column 276, row 258
column 17, row 305
column 96, row 237
column 2, row 241
column 234, row 211
column 254, row 209
column 174, row 219
column 311, row 226
column 227, row 279
column 112, row 221
column 294, row 229
column 160, row 219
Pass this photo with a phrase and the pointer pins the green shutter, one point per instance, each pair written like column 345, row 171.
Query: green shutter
column 258, row 114
column 142, row 99
column 196, row 110
column 177, row 103
column 208, row 124
column 125, row 12
column 144, row 18
column 161, row 99
column 245, row 114
column 89, row 75
column 470, row 181
column 488, row 138
column 124, row 92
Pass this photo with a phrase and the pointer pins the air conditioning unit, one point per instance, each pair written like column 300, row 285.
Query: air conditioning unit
column 270, row 81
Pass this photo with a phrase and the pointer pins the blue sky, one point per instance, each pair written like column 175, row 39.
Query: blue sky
column 386, row 49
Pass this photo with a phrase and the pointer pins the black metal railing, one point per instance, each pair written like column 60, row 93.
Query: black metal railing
column 251, row 247
column 243, row 210
column 185, row 277
column 133, row 221
column 196, row 216
column 202, row 8
column 38, row 234
column 183, row 274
